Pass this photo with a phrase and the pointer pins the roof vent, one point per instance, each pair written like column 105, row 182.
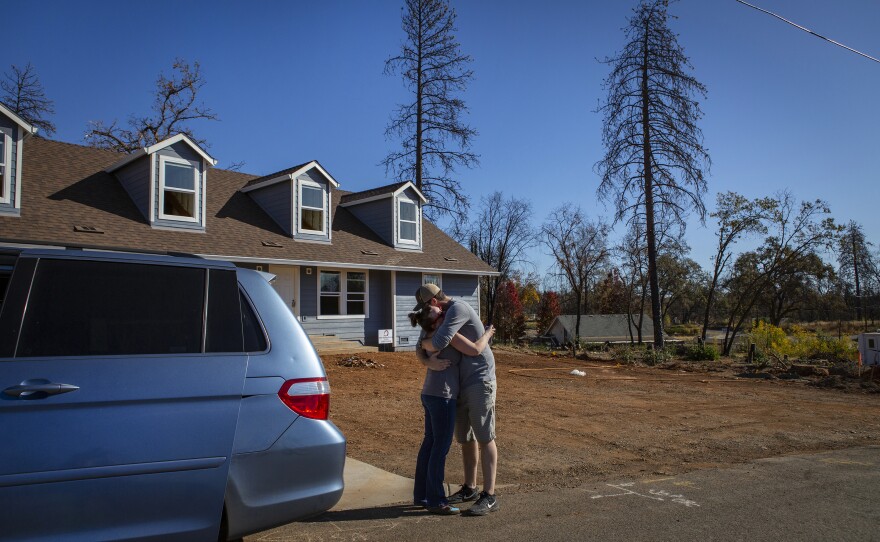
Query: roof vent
column 87, row 229
column 448, row 259
column 369, row 253
column 272, row 244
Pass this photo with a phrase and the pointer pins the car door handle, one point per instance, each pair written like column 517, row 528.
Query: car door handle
column 38, row 389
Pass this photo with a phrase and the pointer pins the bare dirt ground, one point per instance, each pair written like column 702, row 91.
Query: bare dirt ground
column 556, row 429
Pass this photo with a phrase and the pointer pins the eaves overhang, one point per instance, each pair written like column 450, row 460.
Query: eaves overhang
column 291, row 175
column 159, row 146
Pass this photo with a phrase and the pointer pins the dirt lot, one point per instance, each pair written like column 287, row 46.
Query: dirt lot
column 556, row 429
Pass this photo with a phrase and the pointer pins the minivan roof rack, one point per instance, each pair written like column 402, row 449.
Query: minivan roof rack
column 47, row 244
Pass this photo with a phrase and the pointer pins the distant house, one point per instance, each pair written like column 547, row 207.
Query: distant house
column 599, row 328
column 347, row 263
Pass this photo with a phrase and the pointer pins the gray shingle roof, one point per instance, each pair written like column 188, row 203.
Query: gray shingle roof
column 64, row 185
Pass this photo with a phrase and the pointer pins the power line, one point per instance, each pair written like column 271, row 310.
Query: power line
column 809, row 31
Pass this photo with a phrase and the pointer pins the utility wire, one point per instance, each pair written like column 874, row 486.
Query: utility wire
column 809, row 31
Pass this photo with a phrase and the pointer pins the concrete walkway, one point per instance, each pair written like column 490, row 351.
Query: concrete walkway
column 367, row 486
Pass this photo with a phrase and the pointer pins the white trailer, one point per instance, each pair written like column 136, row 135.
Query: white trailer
column 869, row 348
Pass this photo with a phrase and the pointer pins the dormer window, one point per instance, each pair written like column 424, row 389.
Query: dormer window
column 408, row 230
column 312, row 207
column 179, row 189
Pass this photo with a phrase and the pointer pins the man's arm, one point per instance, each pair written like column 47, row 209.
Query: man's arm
column 430, row 360
column 470, row 348
column 453, row 320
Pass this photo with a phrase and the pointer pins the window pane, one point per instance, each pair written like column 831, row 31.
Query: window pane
column 180, row 176
column 408, row 231
column 224, row 314
column 329, row 282
column 432, row 279
column 179, row 204
column 2, row 149
column 312, row 197
column 109, row 308
column 407, row 211
column 254, row 340
column 357, row 282
column 312, row 220
column 356, row 307
column 329, row 305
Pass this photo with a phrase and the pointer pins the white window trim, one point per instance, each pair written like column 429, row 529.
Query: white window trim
column 6, row 179
column 197, row 205
column 343, row 294
column 439, row 279
column 299, row 207
column 418, row 221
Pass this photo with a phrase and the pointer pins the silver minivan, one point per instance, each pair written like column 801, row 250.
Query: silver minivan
column 153, row 397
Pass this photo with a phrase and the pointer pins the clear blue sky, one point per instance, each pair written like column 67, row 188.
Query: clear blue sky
column 294, row 81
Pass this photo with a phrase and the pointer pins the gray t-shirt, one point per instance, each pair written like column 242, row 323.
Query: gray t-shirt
column 461, row 318
column 441, row 383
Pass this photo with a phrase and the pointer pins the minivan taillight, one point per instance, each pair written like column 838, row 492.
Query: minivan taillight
column 309, row 397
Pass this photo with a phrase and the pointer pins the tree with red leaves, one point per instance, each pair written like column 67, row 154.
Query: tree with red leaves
column 548, row 309
column 510, row 319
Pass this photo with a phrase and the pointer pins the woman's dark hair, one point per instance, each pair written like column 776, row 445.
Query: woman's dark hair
column 422, row 318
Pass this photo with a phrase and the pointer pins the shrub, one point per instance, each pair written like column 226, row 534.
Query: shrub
column 800, row 344
column 656, row 356
column 701, row 352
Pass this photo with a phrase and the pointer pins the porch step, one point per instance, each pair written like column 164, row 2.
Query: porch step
column 331, row 344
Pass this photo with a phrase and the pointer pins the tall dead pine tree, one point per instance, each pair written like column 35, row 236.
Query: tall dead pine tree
column 434, row 137
column 654, row 163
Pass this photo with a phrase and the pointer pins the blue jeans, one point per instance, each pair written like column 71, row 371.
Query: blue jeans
column 431, row 462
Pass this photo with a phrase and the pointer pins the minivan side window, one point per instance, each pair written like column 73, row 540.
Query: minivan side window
column 254, row 340
column 224, row 313
column 89, row 308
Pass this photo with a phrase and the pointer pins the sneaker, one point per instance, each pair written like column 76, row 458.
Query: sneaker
column 464, row 494
column 485, row 503
column 444, row 510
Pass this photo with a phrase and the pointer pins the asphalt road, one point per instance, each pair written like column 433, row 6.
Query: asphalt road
column 826, row 496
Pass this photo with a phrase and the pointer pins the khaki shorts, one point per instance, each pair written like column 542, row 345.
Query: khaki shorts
column 475, row 413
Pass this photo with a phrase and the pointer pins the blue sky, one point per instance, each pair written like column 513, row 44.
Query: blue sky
column 300, row 80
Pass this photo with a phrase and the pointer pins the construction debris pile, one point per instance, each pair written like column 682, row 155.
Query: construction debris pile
column 357, row 361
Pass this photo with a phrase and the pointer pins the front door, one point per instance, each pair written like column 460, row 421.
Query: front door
column 287, row 285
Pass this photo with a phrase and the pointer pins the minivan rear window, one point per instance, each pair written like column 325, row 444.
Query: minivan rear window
column 87, row 308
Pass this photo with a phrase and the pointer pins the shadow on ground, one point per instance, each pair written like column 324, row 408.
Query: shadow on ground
column 361, row 514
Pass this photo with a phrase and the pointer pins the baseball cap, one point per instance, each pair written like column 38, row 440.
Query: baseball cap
column 425, row 294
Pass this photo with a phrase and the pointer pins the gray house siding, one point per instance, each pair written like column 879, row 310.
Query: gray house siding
column 364, row 330
column 459, row 287
column 380, row 316
column 314, row 176
column 377, row 215
column 406, row 285
column 464, row 288
column 12, row 130
column 276, row 200
column 185, row 152
column 135, row 178
column 411, row 196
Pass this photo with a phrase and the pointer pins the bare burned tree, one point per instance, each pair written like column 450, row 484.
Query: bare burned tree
column 174, row 108
column 434, row 137
column 654, row 161
column 24, row 95
column 500, row 235
column 580, row 248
